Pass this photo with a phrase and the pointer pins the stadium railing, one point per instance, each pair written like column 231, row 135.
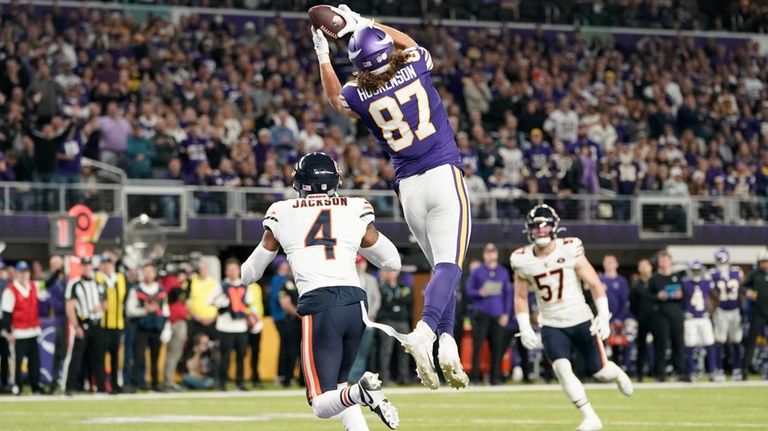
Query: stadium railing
column 173, row 202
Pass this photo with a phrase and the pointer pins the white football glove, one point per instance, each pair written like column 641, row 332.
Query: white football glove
column 527, row 334
column 529, row 338
column 601, row 325
column 353, row 21
column 321, row 43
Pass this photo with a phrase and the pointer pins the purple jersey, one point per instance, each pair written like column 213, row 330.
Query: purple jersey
column 537, row 156
column 193, row 148
column 408, row 115
column 575, row 148
column 227, row 179
column 71, row 148
column 696, row 297
column 726, row 286
column 617, row 290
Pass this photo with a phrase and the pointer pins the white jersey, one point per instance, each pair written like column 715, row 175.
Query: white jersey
column 321, row 236
column 558, row 290
column 565, row 125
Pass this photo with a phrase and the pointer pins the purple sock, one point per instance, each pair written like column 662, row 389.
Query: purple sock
column 448, row 319
column 712, row 359
column 438, row 293
column 689, row 359
column 719, row 352
column 736, row 355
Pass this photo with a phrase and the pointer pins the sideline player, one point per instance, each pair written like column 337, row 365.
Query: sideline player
column 553, row 266
column 322, row 233
column 726, row 318
column 392, row 93
column 698, row 332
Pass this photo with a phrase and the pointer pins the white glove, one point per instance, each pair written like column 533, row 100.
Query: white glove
column 527, row 334
column 165, row 336
column 529, row 338
column 321, row 46
column 221, row 301
column 601, row 325
column 353, row 20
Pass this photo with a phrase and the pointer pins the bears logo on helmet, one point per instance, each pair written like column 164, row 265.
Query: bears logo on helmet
column 542, row 225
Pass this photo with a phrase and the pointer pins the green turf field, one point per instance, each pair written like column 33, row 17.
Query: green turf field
column 672, row 408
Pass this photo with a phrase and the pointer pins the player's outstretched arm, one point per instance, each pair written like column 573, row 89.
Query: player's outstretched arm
column 527, row 335
column 379, row 250
column 328, row 78
column 253, row 268
column 400, row 39
column 586, row 272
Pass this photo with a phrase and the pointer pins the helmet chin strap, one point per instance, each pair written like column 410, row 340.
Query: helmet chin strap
column 543, row 241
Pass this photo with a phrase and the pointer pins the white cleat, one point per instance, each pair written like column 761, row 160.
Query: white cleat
column 450, row 363
column 372, row 396
column 591, row 423
column 419, row 345
column 738, row 375
column 625, row 384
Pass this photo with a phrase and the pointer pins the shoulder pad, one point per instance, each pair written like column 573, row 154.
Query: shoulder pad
column 574, row 246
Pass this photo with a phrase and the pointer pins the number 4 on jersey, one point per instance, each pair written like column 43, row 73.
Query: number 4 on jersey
column 320, row 234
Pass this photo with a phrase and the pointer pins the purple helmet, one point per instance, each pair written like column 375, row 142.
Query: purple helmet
column 695, row 265
column 722, row 256
column 696, row 269
column 369, row 49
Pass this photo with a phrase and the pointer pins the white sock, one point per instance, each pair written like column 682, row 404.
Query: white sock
column 353, row 420
column 332, row 403
column 609, row 372
column 572, row 386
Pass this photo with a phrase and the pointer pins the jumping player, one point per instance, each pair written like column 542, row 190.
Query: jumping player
column 553, row 267
column 322, row 233
column 726, row 318
column 697, row 292
column 393, row 95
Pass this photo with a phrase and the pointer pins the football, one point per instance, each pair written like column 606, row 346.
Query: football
column 324, row 18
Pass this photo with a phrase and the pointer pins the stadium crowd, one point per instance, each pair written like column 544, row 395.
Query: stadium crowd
column 209, row 102
column 121, row 313
column 733, row 15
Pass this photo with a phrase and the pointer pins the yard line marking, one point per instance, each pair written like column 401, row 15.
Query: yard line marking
column 416, row 390
column 527, row 406
column 684, row 424
column 183, row 419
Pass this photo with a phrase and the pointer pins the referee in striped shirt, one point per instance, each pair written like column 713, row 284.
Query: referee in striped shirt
column 85, row 307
